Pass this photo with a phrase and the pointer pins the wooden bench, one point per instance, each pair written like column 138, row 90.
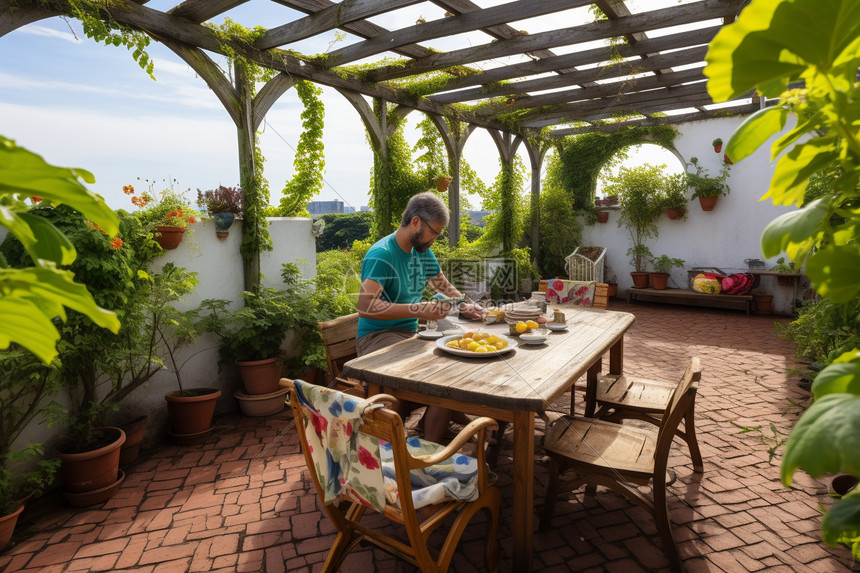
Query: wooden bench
column 691, row 298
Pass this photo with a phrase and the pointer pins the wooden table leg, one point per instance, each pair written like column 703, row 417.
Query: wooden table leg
column 616, row 357
column 523, row 517
column 590, row 389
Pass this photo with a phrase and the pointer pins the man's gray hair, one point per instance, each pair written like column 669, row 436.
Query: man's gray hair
column 428, row 207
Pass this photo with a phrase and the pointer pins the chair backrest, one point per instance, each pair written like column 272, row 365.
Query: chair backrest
column 339, row 336
column 679, row 402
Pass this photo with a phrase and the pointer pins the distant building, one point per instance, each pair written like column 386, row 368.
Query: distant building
column 348, row 209
column 365, row 209
column 323, row 207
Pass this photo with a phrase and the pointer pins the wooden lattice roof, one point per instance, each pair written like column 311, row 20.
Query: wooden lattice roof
column 566, row 79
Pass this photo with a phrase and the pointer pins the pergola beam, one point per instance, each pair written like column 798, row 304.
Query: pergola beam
column 199, row 11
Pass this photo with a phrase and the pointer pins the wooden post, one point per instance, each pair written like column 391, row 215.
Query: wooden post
column 247, row 174
column 536, row 152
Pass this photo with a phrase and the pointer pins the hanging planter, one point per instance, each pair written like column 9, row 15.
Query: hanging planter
column 708, row 203
column 602, row 216
column 169, row 237
column 673, row 213
column 442, row 183
column 223, row 222
column 718, row 145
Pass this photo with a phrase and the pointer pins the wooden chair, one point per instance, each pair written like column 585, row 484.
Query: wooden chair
column 619, row 397
column 620, row 457
column 339, row 337
column 346, row 511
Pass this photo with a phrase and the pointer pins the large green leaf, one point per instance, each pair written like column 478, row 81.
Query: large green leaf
column 792, row 173
column 52, row 245
column 25, row 324
column 24, row 172
column 842, row 522
column 754, row 131
column 835, row 271
column 793, row 227
column 825, row 439
column 841, row 377
column 776, row 39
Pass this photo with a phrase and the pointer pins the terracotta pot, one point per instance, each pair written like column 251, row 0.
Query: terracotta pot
column 168, row 237
column 611, row 290
column 92, row 470
column 191, row 439
column 7, row 526
column 718, row 147
column 640, row 280
column 260, row 376
column 673, row 213
column 191, row 414
column 261, row 404
column 659, row 280
column 133, row 438
column 785, row 280
column 223, row 222
column 763, row 303
column 95, row 496
column 442, row 183
column 708, row 203
column 727, row 160
column 602, row 216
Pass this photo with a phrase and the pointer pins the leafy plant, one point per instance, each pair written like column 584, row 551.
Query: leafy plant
column 664, row 264
column 674, row 194
column 168, row 208
column 221, row 200
column 639, row 257
column 717, row 142
column 782, row 267
column 774, row 441
column 341, row 229
column 638, row 189
column 560, row 229
column 16, row 483
column 706, row 186
column 762, row 50
column 824, row 330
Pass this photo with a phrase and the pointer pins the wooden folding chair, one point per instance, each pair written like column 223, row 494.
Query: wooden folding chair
column 339, row 337
column 620, row 457
column 411, row 462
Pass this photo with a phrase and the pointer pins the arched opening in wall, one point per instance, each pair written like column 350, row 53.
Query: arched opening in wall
column 636, row 156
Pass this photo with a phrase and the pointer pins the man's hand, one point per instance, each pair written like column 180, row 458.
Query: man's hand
column 472, row 311
column 434, row 310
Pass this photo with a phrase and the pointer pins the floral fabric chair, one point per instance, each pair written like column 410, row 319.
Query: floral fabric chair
column 358, row 453
column 575, row 292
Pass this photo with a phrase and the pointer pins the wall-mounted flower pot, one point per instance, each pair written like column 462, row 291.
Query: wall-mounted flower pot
column 718, row 147
column 673, row 213
column 727, row 160
column 93, row 469
column 7, row 526
column 442, row 183
column 640, row 280
column 659, row 280
column 133, row 438
column 602, row 216
column 708, row 203
column 261, row 404
column 169, row 237
column 191, row 413
column 260, row 376
column 223, row 222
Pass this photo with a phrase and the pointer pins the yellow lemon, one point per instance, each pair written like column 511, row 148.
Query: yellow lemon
column 531, row 324
column 477, row 336
column 522, row 327
column 492, row 339
column 469, row 334
column 472, row 345
column 481, row 349
column 501, row 344
column 453, row 343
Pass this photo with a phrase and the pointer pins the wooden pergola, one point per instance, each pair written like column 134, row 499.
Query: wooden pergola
column 651, row 78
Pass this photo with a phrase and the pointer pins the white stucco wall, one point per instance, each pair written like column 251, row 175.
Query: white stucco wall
column 218, row 265
column 720, row 238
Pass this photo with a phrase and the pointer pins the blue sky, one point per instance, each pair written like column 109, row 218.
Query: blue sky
column 82, row 104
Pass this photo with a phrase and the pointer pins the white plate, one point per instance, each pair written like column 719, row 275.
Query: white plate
column 533, row 338
column 460, row 352
column 556, row 326
column 430, row 334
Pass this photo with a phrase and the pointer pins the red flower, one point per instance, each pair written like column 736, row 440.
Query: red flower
column 366, row 458
column 557, row 285
column 581, row 291
column 586, row 301
column 116, row 243
column 35, row 199
column 320, row 423
column 192, row 220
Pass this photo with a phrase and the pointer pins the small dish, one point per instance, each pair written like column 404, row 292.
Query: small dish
column 430, row 334
column 556, row 326
column 533, row 338
column 450, row 331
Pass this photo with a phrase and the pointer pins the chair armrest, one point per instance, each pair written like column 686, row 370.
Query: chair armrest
column 475, row 426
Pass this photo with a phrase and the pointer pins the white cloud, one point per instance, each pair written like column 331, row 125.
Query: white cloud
column 35, row 30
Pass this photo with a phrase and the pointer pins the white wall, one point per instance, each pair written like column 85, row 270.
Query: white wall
column 218, row 265
column 720, row 238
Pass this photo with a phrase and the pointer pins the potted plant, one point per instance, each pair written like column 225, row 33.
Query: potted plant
column 707, row 189
column 782, row 267
column 674, row 196
column 662, row 266
column 223, row 204
column 638, row 191
column 167, row 214
column 18, row 485
column 718, row 145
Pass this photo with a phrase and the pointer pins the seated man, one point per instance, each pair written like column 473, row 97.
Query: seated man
column 393, row 275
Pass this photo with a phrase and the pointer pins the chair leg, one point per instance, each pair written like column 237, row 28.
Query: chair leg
column 494, row 449
column 690, row 438
column 492, row 552
column 664, row 526
column 552, row 491
column 343, row 543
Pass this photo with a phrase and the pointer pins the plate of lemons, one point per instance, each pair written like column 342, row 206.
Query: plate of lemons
column 476, row 344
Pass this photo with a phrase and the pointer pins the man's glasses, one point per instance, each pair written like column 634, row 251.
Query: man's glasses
column 434, row 231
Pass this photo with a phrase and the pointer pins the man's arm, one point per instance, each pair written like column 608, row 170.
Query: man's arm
column 442, row 285
column 371, row 305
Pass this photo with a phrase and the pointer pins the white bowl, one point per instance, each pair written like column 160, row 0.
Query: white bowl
column 451, row 331
column 556, row 326
column 533, row 338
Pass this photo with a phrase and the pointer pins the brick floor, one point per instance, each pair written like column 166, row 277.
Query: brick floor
column 242, row 501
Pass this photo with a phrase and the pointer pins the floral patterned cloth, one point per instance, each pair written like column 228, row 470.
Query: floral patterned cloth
column 351, row 464
column 576, row 292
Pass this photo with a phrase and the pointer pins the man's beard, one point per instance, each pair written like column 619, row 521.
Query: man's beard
column 420, row 247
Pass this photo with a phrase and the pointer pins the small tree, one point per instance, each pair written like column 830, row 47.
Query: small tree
column 639, row 196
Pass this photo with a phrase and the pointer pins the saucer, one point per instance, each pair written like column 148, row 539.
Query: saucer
column 430, row 334
column 533, row 338
column 556, row 326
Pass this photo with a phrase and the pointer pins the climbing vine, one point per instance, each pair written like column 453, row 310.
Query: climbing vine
column 309, row 161
column 506, row 225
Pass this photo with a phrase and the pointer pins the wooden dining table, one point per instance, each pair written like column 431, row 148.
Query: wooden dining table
column 512, row 387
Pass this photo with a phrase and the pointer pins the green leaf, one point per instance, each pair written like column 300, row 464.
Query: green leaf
column 842, row 522
column 793, row 171
column 838, row 379
column 52, row 245
column 754, row 131
column 793, row 227
column 17, row 226
column 25, row 324
column 835, row 271
column 825, row 439
column 24, row 172
column 792, row 136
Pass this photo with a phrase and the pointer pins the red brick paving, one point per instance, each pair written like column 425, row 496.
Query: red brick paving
column 243, row 501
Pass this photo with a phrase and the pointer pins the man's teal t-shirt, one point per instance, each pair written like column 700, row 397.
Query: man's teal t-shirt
column 402, row 276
